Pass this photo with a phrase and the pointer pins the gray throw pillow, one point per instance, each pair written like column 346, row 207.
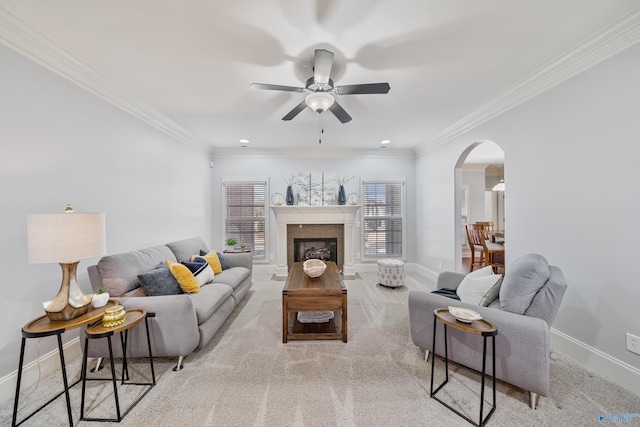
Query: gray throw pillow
column 223, row 262
column 522, row 281
column 159, row 281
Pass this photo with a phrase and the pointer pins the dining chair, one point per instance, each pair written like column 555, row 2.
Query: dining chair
column 477, row 251
column 488, row 225
column 477, row 238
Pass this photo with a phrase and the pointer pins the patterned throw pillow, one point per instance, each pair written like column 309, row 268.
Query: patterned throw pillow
column 201, row 269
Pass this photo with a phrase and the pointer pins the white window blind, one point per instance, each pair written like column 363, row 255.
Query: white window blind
column 383, row 218
column 245, row 216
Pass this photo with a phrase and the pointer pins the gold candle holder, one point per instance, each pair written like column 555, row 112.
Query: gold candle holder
column 113, row 316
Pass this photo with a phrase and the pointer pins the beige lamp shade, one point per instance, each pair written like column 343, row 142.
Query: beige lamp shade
column 65, row 237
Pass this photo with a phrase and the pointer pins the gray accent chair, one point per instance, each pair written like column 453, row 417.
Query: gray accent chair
column 529, row 299
column 181, row 323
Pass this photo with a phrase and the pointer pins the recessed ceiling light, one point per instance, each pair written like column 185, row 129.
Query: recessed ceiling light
column 244, row 141
column 385, row 141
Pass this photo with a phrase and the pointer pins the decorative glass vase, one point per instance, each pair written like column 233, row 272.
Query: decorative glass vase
column 342, row 198
column 289, row 195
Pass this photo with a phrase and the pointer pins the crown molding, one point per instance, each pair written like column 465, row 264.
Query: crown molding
column 618, row 36
column 607, row 42
column 17, row 35
column 310, row 153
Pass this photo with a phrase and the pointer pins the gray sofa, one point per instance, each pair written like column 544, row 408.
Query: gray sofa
column 182, row 323
column 529, row 299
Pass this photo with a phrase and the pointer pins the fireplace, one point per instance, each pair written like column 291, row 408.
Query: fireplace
column 324, row 249
column 313, row 222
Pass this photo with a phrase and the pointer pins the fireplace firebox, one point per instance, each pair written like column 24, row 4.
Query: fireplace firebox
column 325, row 249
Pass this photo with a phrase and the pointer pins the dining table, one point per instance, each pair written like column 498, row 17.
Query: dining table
column 494, row 234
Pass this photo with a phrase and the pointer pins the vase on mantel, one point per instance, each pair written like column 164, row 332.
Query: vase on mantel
column 342, row 198
column 289, row 195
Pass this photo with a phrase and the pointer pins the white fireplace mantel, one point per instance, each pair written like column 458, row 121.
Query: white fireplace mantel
column 297, row 214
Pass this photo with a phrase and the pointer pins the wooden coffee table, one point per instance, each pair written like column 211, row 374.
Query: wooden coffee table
column 324, row 293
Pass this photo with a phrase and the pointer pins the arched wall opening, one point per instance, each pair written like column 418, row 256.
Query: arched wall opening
column 483, row 159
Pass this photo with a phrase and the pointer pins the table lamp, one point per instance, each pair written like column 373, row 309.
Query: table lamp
column 66, row 238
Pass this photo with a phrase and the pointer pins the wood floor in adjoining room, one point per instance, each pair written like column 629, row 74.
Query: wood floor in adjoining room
column 466, row 264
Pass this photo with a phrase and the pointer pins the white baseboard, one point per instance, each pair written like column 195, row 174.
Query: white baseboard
column 425, row 272
column 32, row 372
column 601, row 363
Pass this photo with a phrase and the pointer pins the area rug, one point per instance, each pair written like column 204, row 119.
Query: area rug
column 246, row 376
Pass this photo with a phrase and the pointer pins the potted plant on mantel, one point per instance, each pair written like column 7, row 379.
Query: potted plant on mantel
column 230, row 244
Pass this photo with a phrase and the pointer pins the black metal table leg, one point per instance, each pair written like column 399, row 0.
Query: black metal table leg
column 15, row 402
column 58, row 334
column 64, row 379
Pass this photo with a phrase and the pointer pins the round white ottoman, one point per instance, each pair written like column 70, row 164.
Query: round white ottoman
column 391, row 272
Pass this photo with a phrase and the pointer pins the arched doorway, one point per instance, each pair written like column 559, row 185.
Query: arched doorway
column 479, row 168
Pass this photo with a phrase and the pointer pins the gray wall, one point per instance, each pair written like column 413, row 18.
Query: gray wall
column 276, row 169
column 62, row 145
column 558, row 146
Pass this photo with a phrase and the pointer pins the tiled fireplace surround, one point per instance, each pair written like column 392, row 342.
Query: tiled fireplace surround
column 316, row 221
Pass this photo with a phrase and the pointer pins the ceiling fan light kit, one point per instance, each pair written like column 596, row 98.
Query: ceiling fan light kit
column 319, row 101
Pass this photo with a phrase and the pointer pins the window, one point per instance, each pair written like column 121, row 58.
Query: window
column 245, row 214
column 383, row 218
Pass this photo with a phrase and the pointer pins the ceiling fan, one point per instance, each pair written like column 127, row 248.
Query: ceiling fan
column 321, row 90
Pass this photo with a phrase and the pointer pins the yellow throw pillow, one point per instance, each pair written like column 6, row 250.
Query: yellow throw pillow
column 184, row 276
column 214, row 262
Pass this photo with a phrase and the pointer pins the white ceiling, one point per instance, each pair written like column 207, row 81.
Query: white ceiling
column 447, row 61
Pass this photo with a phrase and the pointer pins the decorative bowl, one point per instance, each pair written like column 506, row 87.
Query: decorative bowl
column 464, row 314
column 314, row 267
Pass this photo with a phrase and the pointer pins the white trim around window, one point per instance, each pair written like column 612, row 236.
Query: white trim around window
column 245, row 213
column 384, row 223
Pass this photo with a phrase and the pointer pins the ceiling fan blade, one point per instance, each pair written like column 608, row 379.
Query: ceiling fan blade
column 340, row 113
column 296, row 110
column 322, row 66
column 362, row 89
column 276, row 87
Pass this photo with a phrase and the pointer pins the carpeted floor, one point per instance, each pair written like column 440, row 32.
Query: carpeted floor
column 246, row 376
